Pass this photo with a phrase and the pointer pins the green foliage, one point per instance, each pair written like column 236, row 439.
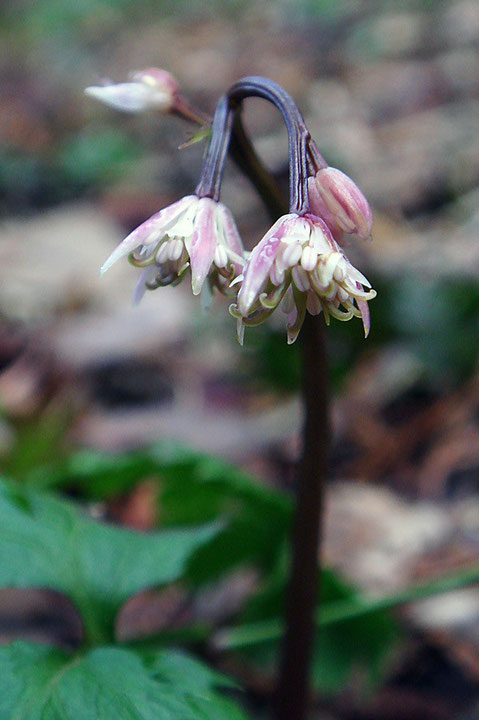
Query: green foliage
column 48, row 543
column 194, row 488
column 343, row 647
column 108, row 683
column 198, row 488
column 45, row 542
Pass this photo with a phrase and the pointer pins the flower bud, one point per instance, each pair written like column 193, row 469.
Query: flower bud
column 151, row 89
column 334, row 197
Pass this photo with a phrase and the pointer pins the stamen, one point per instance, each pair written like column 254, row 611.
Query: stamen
column 309, row 258
column 300, row 279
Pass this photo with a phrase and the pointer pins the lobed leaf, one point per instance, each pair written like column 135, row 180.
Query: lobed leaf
column 108, row 683
column 46, row 542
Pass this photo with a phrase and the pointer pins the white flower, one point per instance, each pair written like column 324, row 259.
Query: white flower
column 196, row 233
column 299, row 264
column 148, row 89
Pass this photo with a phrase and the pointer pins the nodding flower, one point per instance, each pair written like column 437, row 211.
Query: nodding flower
column 196, row 233
column 299, row 265
column 335, row 198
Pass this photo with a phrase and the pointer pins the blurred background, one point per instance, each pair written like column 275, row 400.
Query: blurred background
column 390, row 92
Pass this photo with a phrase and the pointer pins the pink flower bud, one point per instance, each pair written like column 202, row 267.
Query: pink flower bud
column 151, row 89
column 335, row 198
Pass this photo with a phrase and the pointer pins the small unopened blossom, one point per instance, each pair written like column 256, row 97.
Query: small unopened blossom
column 151, row 89
column 196, row 233
column 335, row 198
column 299, row 265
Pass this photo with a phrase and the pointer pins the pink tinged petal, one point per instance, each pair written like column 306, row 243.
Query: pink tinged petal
column 313, row 303
column 203, row 245
column 296, row 319
column 146, row 276
column 322, row 238
column 353, row 273
column 345, row 201
column 257, row 272
column 129, row 97
column 365, row 316
column 162, row 86
column 282, row 227
column 230, row 231
column 319, row 208
column 151, row 88
column 151, row 231
column 288, row 305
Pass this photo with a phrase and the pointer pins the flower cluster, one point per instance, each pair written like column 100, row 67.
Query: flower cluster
column 299, row 264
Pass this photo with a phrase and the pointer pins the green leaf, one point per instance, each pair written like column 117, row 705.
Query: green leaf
column 107, row 683
column 45, row 542
column 197, row 137
column 197, row 488
column 95, row 475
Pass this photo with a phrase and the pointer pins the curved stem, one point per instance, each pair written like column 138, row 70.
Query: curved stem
column 213, row 166
column 298, row 133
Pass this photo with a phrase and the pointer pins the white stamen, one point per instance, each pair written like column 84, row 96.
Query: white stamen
column 291, row 255
column 221, row 257
column 163, row 252
column 309, row 258
column 339, row 273
column 175, row 249
column 300, row 279
column 276, row 274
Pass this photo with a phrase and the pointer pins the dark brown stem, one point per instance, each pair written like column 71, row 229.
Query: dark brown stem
column 293, row 692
